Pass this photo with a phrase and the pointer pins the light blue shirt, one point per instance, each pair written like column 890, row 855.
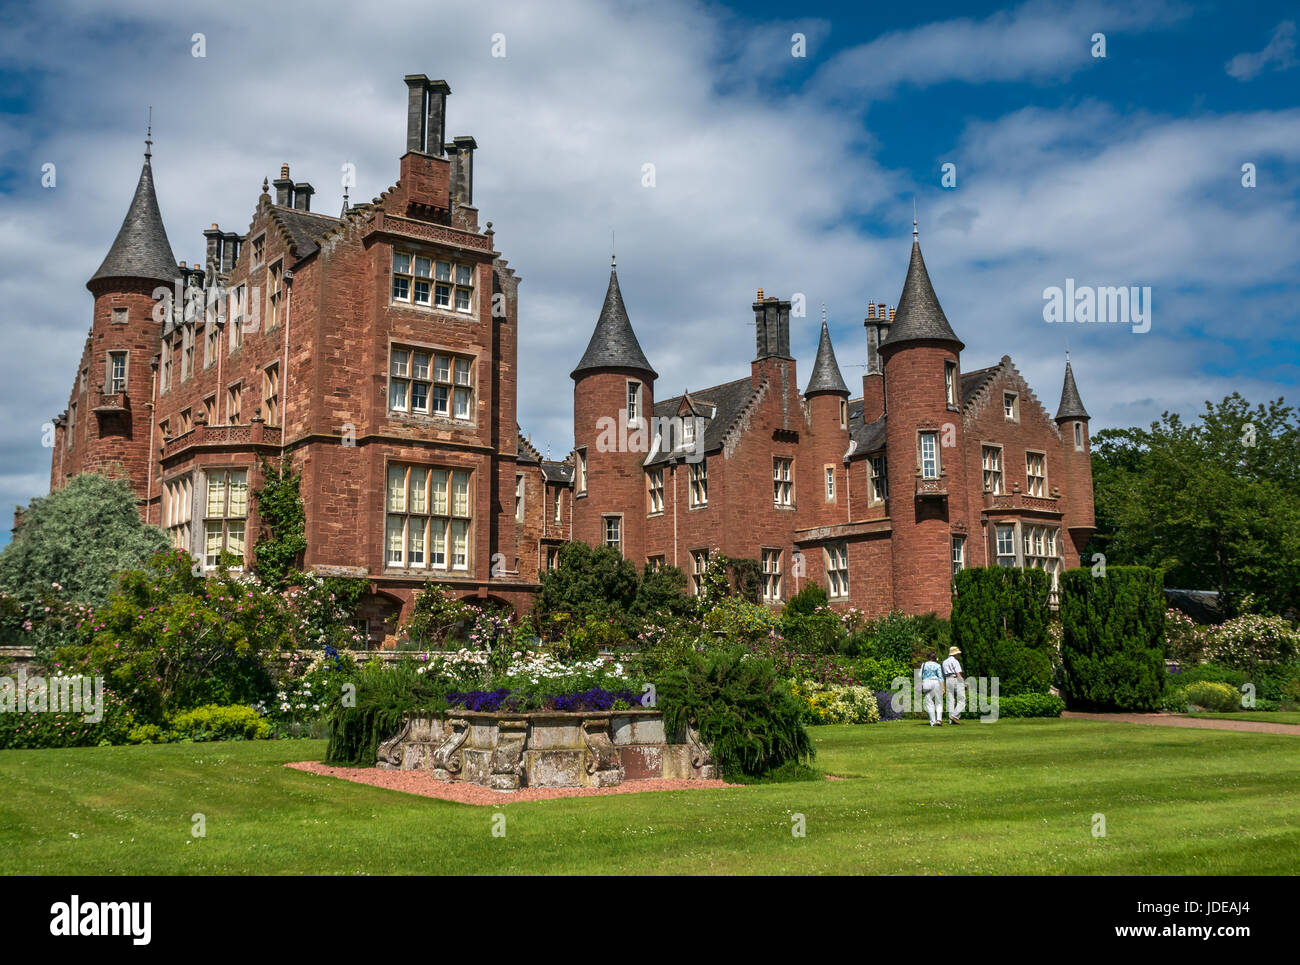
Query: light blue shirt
column 931, row 671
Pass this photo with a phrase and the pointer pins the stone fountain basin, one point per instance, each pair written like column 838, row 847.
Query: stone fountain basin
column 507, row 751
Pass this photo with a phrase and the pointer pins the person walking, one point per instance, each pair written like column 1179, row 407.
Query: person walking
column 955, row 685
column 932, row 688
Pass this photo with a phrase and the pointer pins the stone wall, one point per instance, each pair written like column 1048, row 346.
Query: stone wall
column 546, row 749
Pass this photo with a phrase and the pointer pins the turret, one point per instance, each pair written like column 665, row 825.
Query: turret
column 138, row 272
column 613, row 402
column 923, row 437
column 827, row 399
column 1076, row 458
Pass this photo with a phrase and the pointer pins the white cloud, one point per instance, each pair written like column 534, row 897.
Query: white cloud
column 754, row 189
column 1036, row 41
column 1278, row 54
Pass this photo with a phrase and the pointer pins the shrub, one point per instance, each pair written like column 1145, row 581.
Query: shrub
column 836, row 705
column 168, row 640
column 736, row 619
column 1251, row 640
column 1207, row 695
column 1213, row 672
column 1020, row 669
column 995, row 604
column 1113, row 645
column 46, row 729
column 745, row 711
column 1184, row 638
column 435, row 618
column 661, row 592
column 879, row 673
column 588, row 581
column 146, row 734
column 215, row 722
column 885, row 703
column 809, row 624
column 384, row 696
column 900, row 638
column 1030, row 705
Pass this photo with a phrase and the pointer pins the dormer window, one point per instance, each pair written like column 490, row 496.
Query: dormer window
column 688, row 430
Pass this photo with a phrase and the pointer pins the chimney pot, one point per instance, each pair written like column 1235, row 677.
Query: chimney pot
column 284, row 170
column 760, row 295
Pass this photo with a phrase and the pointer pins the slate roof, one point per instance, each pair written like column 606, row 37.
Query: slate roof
column 525, row 451
column 1071, row 406
column 141, row 248
column 919, row 316
column 305, row 228
column 826, row 375
column 719, row 405
column 864, row 437
column 557, row 471
column 613, row 344
column 972, row 382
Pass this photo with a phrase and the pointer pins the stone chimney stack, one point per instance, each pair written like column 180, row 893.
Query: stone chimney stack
column 461, row 152
column 426, row 114
column 230, row 244
column 283, row 188
column 302, row 193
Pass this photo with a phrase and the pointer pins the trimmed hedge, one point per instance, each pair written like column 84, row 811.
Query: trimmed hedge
column 1113, row 643
column 1000, row 622
column 1030, row 705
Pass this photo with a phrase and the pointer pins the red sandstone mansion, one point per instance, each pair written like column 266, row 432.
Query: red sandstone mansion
column 377, row 352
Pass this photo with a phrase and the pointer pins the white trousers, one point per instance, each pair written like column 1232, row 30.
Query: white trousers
column 956, row 696
column 933, row 698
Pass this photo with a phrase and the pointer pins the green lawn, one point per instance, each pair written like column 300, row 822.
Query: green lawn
column 1264, row 716
column 1013, row 797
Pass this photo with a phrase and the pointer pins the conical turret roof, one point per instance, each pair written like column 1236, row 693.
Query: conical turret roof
column 141, row 248
column 919, row 317
column 613, row 344
column 1071, row 406
column 826, row 375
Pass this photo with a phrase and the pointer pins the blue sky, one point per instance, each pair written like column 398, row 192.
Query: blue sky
column 774, row 171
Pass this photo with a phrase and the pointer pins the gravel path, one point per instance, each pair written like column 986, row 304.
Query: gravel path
column 1204, row 723
column 426, row 785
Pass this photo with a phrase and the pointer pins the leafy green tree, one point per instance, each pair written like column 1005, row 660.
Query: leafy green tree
column 661, row 591
column 588, row 581
column 78, row 537
column 1215, row 503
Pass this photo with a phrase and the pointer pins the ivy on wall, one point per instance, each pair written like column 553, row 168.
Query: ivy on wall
column 282, row 539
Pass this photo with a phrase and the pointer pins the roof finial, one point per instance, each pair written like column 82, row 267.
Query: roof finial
column 148, row 137
column 613, row 260
column 823, row 313
column 914, row 217
column 1067, row 350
